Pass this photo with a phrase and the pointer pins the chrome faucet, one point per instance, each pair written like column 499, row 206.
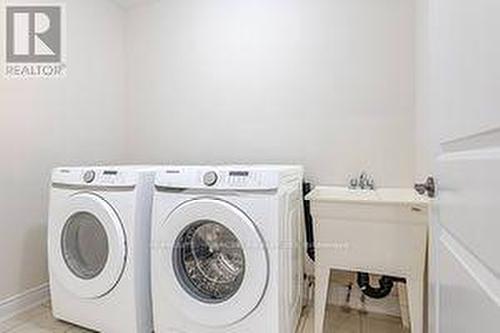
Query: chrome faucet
column 364, row 182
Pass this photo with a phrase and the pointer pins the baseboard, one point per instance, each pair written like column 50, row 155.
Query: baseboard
column 24, row 301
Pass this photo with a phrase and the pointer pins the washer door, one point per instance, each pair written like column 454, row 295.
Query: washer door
column 218, row 260
column 90, row 246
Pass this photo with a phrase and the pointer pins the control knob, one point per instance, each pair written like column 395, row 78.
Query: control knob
column 210, row 178
column 89, row 176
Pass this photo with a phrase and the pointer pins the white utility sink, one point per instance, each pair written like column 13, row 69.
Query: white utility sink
column 381, row 231
column 378, row 196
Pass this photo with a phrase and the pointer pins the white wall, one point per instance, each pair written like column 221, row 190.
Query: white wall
column 424, row 134
column 427, row 110
column 44, row 123
column 324, row 83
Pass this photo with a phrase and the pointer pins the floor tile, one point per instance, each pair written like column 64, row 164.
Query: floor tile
column 37, row 320
column 338, row 320
column 29, row 328
column 21, row 319
column 374, row 323
column 76, row 329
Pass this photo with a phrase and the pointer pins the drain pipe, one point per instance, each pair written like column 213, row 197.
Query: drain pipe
column 386, row 283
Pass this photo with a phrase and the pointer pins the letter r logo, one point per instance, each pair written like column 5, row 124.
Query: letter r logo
column 34, row 34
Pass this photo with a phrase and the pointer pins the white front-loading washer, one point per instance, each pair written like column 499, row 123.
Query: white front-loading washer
column 98, row 247
column 227, row 249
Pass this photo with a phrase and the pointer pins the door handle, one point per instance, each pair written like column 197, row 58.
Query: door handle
column 428, row 187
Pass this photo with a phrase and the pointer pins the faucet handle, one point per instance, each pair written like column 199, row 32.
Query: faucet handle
column 363, row 180
column 370, row 183
column 353, row 183
column 363, row 176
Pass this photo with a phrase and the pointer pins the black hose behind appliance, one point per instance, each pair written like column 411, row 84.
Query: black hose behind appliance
column 386, row 283
column 306, row 188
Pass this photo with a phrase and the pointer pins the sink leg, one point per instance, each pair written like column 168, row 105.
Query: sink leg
column 416, row 303
column 320, row 297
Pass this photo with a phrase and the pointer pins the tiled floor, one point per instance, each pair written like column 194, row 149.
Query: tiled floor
column 340, row 321
column 40, row 320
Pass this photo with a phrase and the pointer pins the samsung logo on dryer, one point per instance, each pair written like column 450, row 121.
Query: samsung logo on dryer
column 239, row 173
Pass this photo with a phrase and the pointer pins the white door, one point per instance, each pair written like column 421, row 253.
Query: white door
column 465, row 261
column 87, row 246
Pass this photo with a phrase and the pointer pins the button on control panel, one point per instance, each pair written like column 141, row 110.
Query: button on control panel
column 210, row 178
column 238, row 179
column 110, row 177
column 89, row 176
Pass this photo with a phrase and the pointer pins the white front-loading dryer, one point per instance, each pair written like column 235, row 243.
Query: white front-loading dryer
column 98, row 247
column 227, row 249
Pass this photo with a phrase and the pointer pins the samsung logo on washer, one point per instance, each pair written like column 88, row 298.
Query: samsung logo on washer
column 35, row 42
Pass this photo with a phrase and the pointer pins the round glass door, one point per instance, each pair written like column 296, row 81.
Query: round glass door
column 209, row 261
column 212, row 262
column 85, row 245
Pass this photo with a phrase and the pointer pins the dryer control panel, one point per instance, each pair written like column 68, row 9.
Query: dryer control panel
column 98, row 176
column 220, row 178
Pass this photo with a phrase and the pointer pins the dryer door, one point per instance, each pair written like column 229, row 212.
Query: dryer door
column 89, row 247
column 219, row 261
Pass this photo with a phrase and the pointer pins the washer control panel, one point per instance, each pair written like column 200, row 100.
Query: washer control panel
column 218, row 178
column 96, row 177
